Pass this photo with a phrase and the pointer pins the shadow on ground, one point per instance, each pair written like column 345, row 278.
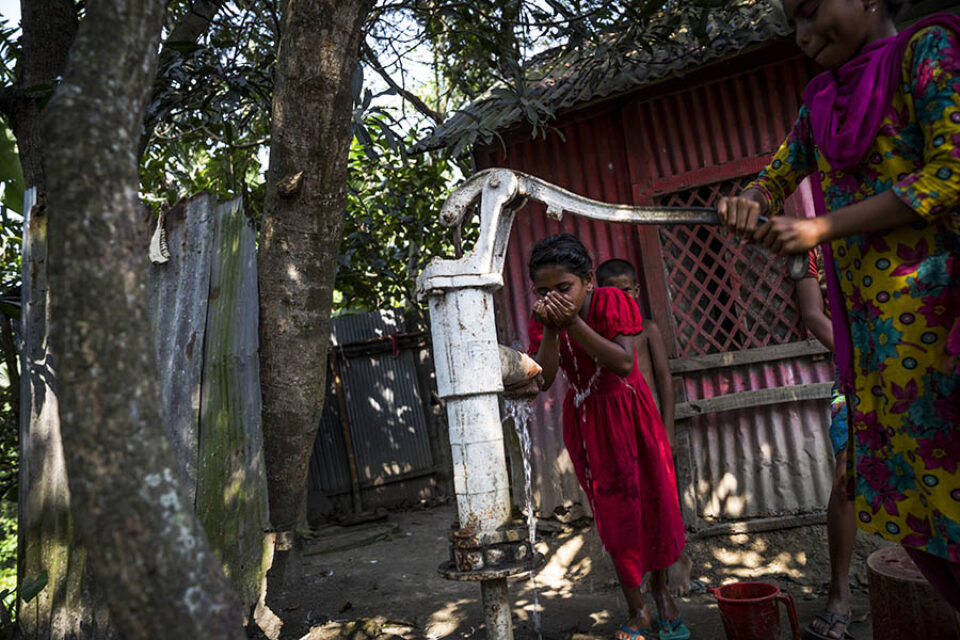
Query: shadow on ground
column 379, row 580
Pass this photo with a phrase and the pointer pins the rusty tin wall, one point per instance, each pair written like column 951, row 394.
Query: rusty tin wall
column 710, row 131
column 756, row 462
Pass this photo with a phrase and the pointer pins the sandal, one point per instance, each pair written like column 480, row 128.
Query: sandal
column 646, row 632
column 673, row 629
column 832, row 618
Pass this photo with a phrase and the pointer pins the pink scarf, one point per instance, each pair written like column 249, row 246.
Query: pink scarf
column 847, row 107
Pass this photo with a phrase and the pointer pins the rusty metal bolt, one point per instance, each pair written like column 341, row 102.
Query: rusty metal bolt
column 495, row 557
column 521, row 553
column 469, row 560
column 494, row 181
column 465, row 538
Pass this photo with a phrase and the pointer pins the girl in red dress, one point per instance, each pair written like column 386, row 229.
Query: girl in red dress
column 611, row 426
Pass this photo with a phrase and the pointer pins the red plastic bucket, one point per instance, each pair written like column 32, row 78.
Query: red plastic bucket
column 749, row 610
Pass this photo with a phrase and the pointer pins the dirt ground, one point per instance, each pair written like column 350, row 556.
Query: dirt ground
column 380, row 580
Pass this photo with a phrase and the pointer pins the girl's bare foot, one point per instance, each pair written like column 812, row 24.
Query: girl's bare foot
column 678, row 576
column 641, row 628
column 666, row 607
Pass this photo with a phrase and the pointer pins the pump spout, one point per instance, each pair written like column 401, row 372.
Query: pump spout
column 516, row 367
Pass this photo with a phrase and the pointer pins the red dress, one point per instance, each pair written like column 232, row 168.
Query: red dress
column 619, row 448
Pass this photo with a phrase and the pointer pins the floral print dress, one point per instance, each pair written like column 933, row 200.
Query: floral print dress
column 902, row 294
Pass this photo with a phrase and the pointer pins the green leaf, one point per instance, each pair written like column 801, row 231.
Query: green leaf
column 9, row 310
column 357, row 82
column 31, row 587
column 183, row 47
column 11, row 174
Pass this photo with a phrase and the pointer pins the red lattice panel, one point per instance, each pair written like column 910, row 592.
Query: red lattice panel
column 724, row 297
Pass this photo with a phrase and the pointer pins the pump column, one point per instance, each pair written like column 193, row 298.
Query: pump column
column 467, row 364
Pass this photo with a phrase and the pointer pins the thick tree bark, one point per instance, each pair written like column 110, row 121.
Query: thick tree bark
column 49, row 27
column 69, row 607
column 145, row 547
column 306, row 195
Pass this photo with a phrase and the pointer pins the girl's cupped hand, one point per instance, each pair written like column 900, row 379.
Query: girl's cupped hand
column 542, row 315
column 560, row 309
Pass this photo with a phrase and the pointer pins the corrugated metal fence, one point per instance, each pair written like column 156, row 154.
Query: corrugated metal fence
column 382, row 440
column 205, row 322
column 204, row 314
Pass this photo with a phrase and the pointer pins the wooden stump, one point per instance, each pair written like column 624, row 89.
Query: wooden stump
column 902, row 602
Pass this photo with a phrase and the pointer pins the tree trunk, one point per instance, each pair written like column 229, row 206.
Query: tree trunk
column 146, row 548
column 306, row 196
column 49, row 27
column 69, row 606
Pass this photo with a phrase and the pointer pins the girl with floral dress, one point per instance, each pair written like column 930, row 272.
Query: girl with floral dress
column 879, row 132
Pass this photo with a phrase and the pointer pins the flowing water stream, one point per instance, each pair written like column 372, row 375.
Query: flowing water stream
column 521, row 413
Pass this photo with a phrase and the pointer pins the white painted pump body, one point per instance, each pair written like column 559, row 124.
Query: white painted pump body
column 460, row 295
